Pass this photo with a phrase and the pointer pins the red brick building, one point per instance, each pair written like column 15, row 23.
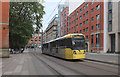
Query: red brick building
column 88, row 19
column 36, row 40
column 4, row 29
column 64, row 27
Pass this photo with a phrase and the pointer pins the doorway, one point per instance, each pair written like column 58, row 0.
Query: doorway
column 112, row 43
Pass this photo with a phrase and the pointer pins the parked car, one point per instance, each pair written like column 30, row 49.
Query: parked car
column 16, row 51
column 11, row 50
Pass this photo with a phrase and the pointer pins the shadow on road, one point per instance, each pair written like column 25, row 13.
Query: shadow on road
column 68, row 60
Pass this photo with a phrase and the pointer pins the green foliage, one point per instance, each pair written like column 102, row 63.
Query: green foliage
column 23, row 15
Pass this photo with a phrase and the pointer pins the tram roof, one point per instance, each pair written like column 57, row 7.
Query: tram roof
column 63, row 37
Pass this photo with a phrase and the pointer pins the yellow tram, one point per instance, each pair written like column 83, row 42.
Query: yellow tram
column 71, row 46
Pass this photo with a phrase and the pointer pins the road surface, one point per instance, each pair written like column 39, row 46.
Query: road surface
column 32, row 62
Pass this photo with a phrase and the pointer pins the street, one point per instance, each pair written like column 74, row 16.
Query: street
column 32, row 62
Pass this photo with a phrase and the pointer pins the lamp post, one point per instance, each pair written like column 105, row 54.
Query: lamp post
column 42, row 38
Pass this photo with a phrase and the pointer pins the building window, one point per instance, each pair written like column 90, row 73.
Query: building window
column 98, row 7
column 97, row 17
column 77, row 19
column 80, row 24
column 77, row 12
column 87, row 29
column 68, row 12
column 74, row 27
column 72, row 22
column 80, row 31
column 84, row 30
column 77, row 26
column 97, row 40
column 87, row 21
column 87, row 13
column 92, row 10
column 110, row 26
column 35, row 38
column 83, row 22
column 97, row 26
column 80, row 17
column 36, row 34
column 92, row 28
column 92, row 40
column 84, row 8
column 92, row 2
column 87, row 37
column 40, row 34
column 92, row 19
column 80, row 10
column 109, row 5
column 84, row 15
column 110, row 16
column 87, row 5
column 65, row 13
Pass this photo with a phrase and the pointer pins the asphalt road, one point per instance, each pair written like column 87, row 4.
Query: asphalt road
column 32, row 62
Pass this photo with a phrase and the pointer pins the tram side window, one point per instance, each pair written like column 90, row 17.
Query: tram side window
column 61, row 42
column 68, row 42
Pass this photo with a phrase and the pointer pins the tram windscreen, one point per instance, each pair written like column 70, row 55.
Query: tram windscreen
column 78, row 42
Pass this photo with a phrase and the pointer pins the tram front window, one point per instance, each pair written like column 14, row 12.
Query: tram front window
column 78, row 44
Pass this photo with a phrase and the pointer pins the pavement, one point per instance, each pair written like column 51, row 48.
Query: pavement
column 103, row 57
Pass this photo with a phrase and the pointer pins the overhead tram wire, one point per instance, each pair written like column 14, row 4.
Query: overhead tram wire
column 52, row 12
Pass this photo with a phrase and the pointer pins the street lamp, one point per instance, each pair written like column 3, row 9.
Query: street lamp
column 42, row 38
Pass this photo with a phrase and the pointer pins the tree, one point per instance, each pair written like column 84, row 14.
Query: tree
column 23, row 15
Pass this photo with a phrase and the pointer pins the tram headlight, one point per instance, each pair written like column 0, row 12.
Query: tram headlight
column 74, row 52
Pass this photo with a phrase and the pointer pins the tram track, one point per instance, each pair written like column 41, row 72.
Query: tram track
column 73, row 70
column 51, row 68
column 61, row 64
column 85, row 66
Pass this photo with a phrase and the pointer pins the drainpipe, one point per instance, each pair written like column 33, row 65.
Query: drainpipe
column 105, row 26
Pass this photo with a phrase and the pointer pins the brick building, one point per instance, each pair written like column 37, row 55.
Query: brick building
column 64, row 27
column 4, row 29
column 36, row 40
column 88, row 19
